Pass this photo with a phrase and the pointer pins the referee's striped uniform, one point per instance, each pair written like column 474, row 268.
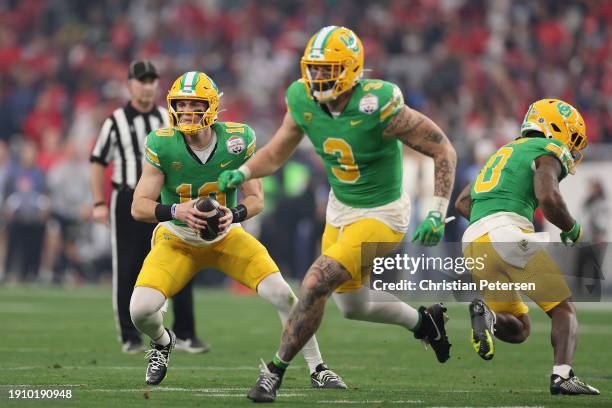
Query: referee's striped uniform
column 121, row 141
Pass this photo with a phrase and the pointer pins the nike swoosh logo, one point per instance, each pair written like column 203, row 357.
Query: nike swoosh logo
column 226, row 164
column 356, row 122
column 436, row 327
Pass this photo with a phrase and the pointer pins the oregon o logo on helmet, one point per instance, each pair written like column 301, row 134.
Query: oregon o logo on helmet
column 350, row 41
column 564, row 109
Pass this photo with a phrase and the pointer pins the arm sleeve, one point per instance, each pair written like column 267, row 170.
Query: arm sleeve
column 105, row 144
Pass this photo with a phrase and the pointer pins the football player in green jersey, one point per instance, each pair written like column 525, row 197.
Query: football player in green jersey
column 357, row 127
column 183, row 163
column 519, row 177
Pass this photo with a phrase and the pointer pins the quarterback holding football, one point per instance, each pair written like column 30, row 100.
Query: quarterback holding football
column 182, row 164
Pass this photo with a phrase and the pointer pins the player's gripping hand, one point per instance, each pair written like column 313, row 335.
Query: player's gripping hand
column 431, row 229
column 186, row 212
column 572, row 236
column 230, row 179
column 226, row 220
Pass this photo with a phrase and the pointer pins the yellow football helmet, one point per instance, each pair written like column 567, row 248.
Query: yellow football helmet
column 332, row 62
column 198, row 86
column 559, row 120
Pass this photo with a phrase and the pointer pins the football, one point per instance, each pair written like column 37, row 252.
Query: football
column 212, row 212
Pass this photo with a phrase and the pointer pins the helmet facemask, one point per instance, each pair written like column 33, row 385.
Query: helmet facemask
column 200, row 119
column 326, row 80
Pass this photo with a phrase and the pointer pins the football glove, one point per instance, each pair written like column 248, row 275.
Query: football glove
column 230, row 179
column 431, row 229
column 572, row 235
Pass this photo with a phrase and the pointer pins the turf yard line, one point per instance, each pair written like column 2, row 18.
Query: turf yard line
column 95, row 367
column 243, row 395
column 368, row 402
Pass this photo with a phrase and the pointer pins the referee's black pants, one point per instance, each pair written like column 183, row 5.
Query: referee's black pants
column 131, row 242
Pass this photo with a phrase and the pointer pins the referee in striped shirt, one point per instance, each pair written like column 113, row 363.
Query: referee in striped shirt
column 121, row 141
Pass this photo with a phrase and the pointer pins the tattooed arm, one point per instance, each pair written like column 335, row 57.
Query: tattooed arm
column 463, row 204
column 421, row 134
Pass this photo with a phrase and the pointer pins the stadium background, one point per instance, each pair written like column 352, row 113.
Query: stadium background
column 472, row 66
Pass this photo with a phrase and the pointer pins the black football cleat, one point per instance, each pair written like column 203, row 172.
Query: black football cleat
column 432, row 330
column 483, row 323
column 326, row 378
column 159, row 357
column 267, row 385
column 570, row 386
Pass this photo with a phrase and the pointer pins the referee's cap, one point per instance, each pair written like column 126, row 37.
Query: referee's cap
column 141, row 69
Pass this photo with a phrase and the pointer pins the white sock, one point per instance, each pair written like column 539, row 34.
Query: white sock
column 146, row 307
column 562, row 369
column 278, row 292
column 376, row 306
column 164, row 340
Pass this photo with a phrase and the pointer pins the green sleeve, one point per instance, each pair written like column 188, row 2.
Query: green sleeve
column 250, row 141
column 294, row 96
column 151, row 151
column 392, row 101
column 557, row 149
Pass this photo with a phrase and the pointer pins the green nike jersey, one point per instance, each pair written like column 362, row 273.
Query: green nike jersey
column 186, row 177
column 363, row 168
column 505, row 183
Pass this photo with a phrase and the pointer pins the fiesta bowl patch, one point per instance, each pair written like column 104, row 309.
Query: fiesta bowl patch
column 235, row 144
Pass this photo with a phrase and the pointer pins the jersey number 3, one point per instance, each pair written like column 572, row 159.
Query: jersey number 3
column 347, row 170
column 489, row 176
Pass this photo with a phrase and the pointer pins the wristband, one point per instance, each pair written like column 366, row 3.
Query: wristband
column 99, row 203
column 245, row 171
column 440, row 204
column 163, row 212
column 239, row 213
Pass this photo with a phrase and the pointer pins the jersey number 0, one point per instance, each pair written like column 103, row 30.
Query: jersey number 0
column 489, row 176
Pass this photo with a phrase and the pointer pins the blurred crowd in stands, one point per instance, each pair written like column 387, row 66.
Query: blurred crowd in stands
column 472, row 66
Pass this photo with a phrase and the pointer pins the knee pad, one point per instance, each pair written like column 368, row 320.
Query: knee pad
column 277, row 291
column 352, row 304
column 145, row 302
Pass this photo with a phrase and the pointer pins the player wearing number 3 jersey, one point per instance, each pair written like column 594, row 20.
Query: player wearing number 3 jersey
column 183, row 163
column 357, row 127
column 519, row 177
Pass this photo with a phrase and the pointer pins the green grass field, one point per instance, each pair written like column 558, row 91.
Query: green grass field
column 58, row 339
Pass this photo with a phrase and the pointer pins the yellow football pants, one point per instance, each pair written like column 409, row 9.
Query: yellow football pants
column 344, row 245
column 550, row 286
column 172, row 263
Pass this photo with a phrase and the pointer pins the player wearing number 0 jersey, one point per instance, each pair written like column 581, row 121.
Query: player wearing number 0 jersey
column 500, row 204
column 182, row 164
column 357, row 126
